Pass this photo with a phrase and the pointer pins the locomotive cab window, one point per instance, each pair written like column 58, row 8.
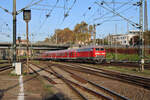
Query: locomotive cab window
column 99, row 49
column 102, row 49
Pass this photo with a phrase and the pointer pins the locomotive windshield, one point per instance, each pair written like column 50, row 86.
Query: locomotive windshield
column 99, row 49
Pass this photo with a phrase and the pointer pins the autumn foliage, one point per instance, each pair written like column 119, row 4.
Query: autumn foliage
column 81, row 34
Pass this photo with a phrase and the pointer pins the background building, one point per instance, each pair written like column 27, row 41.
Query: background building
column 124, row 39
column 22, row 51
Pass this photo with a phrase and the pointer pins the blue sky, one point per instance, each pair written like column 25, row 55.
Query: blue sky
column 41, row 27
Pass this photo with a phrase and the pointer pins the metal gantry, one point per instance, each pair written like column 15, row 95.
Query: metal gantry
column 136, row 25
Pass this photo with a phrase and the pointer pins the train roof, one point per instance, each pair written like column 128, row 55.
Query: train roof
column 60, row 51
column 91, row 47
column 73, row 49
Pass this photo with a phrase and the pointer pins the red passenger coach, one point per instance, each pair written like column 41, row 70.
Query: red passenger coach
column 87, row 54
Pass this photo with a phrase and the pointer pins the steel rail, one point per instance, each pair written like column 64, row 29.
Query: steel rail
column 122, row 75
column 107, row 91
column 66, row 82
column 5, row 68
column 103, row 97
column 110, row 76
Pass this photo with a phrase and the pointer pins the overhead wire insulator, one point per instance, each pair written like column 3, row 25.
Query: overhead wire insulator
column 89, row 8
column 66, row 15
column 47, row 15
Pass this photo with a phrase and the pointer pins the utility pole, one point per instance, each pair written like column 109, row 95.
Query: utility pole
column 141, row 36
column 56, row 37
column 14, row 31
column 145, row 17
column 145, row 27
column 94, row 35
column 116, row 42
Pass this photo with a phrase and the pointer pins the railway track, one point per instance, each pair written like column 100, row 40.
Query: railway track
column 66, row 82
column 108, row 93
column 134, row 80
column 126, row 64
column 115, row 95
column 4, row 62
column 3, row 68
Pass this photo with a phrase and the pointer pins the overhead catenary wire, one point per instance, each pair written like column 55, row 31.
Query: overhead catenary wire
column 116, row 13
column 28, row 6
column 47, row 16
column 51, row 6
column 40, row 9
column 119, row 12
column 89, row 8
column 69, row 9
column 115, row 9
column 52, row 9
column 5, row 10
column 105, row 14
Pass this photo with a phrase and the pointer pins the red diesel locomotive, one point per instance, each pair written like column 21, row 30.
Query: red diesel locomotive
column 86, row 54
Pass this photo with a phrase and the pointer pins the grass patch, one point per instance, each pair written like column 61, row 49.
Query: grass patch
column 134, row 71
column 36, row 62
column 131, row 57
column 3, row 61
column 47, row 87
column 1, row 65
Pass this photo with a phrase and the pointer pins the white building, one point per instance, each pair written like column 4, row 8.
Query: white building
column 122, row 39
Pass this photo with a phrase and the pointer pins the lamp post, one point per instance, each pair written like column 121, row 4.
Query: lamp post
column 27, row 18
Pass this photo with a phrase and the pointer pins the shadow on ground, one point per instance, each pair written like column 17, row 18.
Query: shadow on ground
column 57, row 96
column 1, row 94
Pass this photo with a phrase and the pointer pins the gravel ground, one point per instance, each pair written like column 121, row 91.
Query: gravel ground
column 34, row 89
column 8, row 84
column 127, row 90
column 60, row 89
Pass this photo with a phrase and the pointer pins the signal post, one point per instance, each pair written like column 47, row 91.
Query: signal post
column 27, row 18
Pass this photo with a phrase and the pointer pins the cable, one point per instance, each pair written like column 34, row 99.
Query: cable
column 49, row 6
column 47, row 16
column 116, row 9
column 116, row 13
column 67, row 13
column 52, row 9
column 28, row 6
column 119, row 12
column 5, row 10
column 40, row 9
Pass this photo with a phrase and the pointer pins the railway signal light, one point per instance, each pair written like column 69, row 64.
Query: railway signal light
column 27, row 18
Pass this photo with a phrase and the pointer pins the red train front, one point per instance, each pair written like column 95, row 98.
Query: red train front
column 91, row 54
column 86, row 54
